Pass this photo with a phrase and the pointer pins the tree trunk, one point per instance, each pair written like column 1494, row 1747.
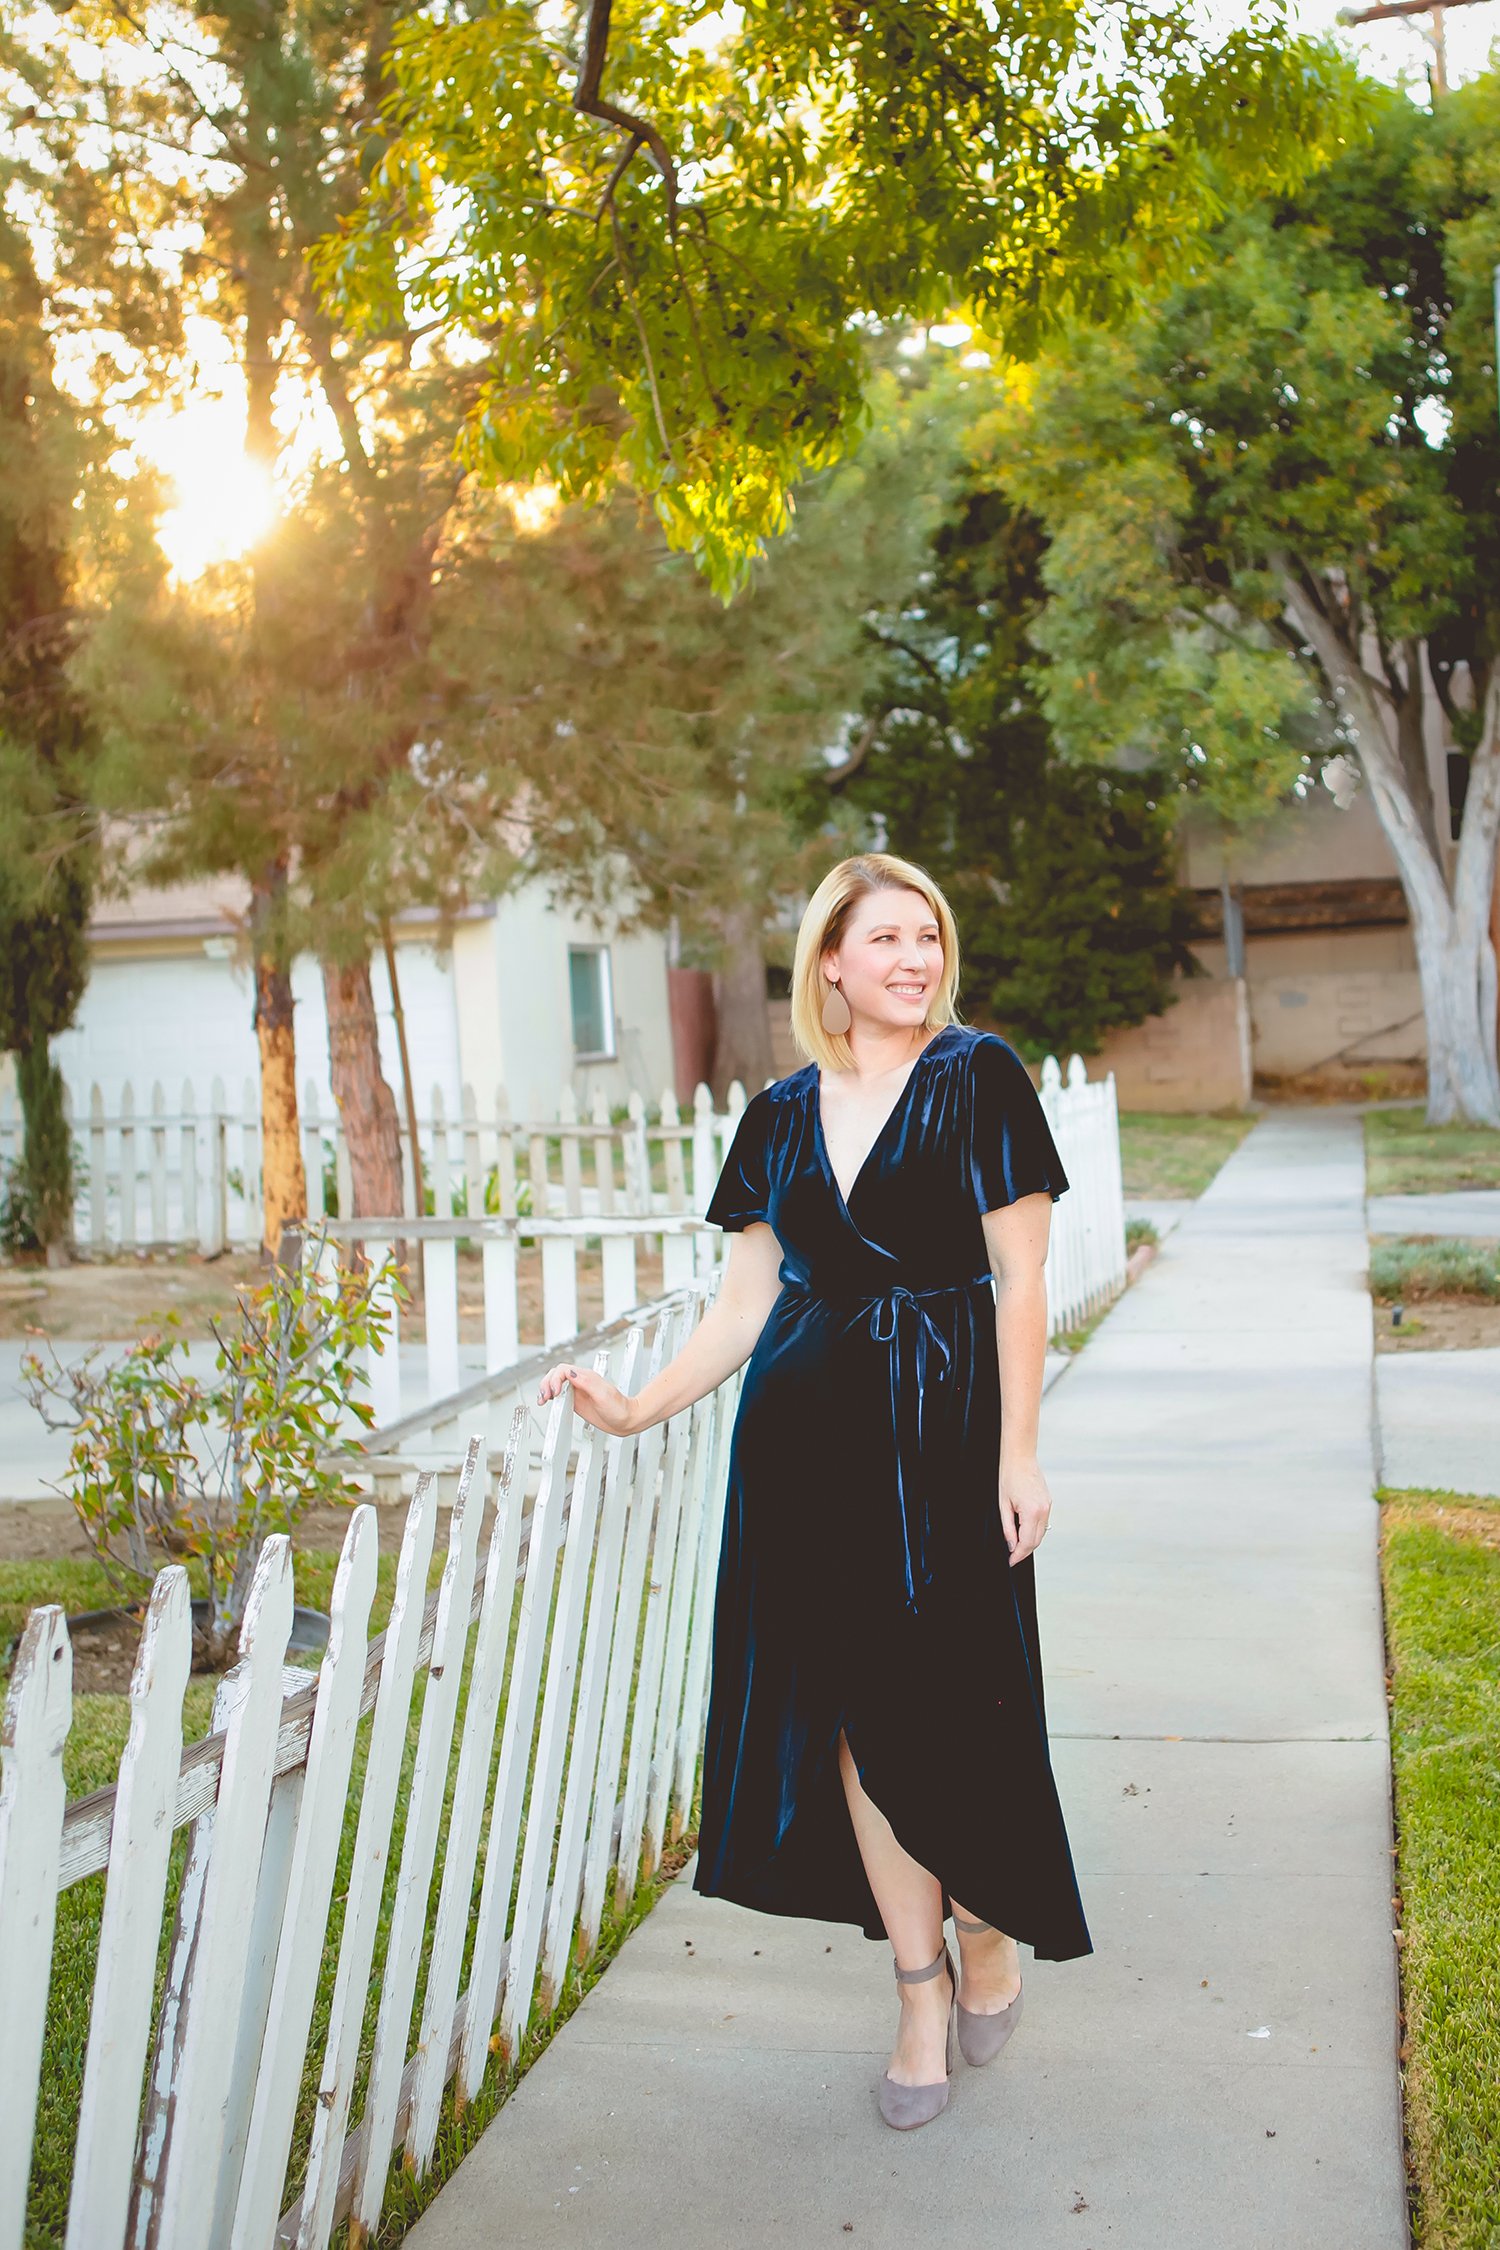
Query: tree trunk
column 742, row 1047
column 1455, row 959
column 408, row 1090
column 284, row 1180
column 366, row 1103
column 46, row 1168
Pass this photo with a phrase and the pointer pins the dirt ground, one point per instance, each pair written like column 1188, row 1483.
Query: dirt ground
column 1439, row 1324
column 117, row 1300
column 37, row 1530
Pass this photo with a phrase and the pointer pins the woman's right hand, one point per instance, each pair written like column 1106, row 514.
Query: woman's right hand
column 595, row 1397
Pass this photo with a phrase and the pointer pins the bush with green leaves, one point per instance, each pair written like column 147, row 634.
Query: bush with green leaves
column 167, row 1461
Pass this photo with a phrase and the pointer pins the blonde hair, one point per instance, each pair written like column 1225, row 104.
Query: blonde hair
column 823, row 924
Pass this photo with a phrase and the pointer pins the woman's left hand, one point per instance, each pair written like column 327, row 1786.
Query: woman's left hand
column 1025, row 1505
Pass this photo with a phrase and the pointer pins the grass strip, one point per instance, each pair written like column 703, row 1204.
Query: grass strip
column 1404, row 1155
column 1413, row 1267
column 1163, row 1155
column 1440, row 1565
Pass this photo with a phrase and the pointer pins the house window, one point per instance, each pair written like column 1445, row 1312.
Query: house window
column 592, row 996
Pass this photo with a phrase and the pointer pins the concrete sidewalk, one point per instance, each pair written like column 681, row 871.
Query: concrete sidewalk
column 1471, row 1211
column 1440, row 1420
column 1221, row 2073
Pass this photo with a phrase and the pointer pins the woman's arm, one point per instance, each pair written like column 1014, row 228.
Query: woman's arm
column 1016, row 1238
column 722, row 1341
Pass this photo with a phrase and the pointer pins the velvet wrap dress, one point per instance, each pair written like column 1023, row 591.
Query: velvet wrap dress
column 864, row 1582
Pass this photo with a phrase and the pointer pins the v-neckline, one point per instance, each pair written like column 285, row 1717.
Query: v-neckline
column 885, row 1123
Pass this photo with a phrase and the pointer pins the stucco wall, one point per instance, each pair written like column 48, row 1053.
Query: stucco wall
column 170, row 1000
column 1195, row 1055
column 1320, row 1022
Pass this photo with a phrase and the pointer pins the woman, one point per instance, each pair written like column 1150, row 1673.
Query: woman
column 876, row 1744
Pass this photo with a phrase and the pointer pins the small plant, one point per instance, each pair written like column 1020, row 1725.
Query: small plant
column 166, row 1460
column 1416, row 1266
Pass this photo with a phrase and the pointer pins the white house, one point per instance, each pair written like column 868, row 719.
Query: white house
column 517, row 993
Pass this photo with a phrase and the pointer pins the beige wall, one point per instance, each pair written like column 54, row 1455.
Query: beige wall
column 1195, row 1055
column 1329, row 999
column 1310, row 842
column 1336, row 1021
column 1386, row 950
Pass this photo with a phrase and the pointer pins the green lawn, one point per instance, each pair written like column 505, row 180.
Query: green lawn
column 1437, row 1266
column 1169, row 1156
column 1404, row 1155
column 1440, row 1561
column 91, row 1759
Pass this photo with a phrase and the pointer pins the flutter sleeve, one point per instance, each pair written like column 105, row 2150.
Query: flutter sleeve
column 1011, row 1149
column 742, row 1193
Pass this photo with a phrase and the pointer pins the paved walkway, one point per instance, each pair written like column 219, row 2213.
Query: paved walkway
column 1221, row 2073
column 1473, row 1211
column 1440, row 1420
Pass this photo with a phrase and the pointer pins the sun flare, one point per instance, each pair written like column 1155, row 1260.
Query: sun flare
column 223, row 502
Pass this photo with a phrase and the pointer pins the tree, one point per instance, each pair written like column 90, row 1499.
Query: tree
column 1274, row 508
column 46, row 863
column 1061, row 872
column 263, row 720
column 663, row 247
column 675, row 754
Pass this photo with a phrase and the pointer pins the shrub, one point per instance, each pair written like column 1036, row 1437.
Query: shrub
column 1440, row 1266
column 163, row 1459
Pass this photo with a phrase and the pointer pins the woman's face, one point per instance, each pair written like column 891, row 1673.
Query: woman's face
column 889, row 961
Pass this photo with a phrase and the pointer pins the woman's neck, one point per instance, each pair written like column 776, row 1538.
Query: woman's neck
column 879, row 1049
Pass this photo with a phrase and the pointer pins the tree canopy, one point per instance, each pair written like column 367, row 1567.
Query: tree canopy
column 1061, row 871
column 661, row 234
column 1273, row 499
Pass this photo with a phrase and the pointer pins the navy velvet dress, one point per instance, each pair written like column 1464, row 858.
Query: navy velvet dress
column 864, row 1581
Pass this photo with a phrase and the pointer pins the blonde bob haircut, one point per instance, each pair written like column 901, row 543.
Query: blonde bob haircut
column 822, row 926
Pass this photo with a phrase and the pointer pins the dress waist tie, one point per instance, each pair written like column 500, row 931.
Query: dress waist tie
column 919, row 1353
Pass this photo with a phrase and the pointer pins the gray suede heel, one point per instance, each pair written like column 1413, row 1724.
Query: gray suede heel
column 904, row 2106
column 980, row 2037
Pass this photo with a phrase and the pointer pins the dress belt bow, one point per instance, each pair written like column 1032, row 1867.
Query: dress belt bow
column 920, row 1354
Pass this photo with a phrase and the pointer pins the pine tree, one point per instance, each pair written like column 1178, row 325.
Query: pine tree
column 1061, row 872
column 46, row 862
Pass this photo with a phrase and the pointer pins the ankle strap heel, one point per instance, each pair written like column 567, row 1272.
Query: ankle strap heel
column 981, row 2037
column 905, row 2106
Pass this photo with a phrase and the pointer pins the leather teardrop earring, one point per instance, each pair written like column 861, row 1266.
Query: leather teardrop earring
column 836, row 1016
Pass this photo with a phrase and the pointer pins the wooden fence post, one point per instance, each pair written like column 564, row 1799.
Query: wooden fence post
column 160, row 1233
column 98, row 1172
column 383, row 1773
column 33, row 1798
column 309, row 1890
column 127, row 1168
column 140, row 1849
column 419, row 1844
column 470, row 1796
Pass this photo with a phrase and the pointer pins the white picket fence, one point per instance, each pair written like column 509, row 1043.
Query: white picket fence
column 159, row 1176
column 1086, row 1248
column 420, row 1397
column 594, row 1218
column 545, row 1780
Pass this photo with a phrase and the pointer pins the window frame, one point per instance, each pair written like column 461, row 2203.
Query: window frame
column 605, row 973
